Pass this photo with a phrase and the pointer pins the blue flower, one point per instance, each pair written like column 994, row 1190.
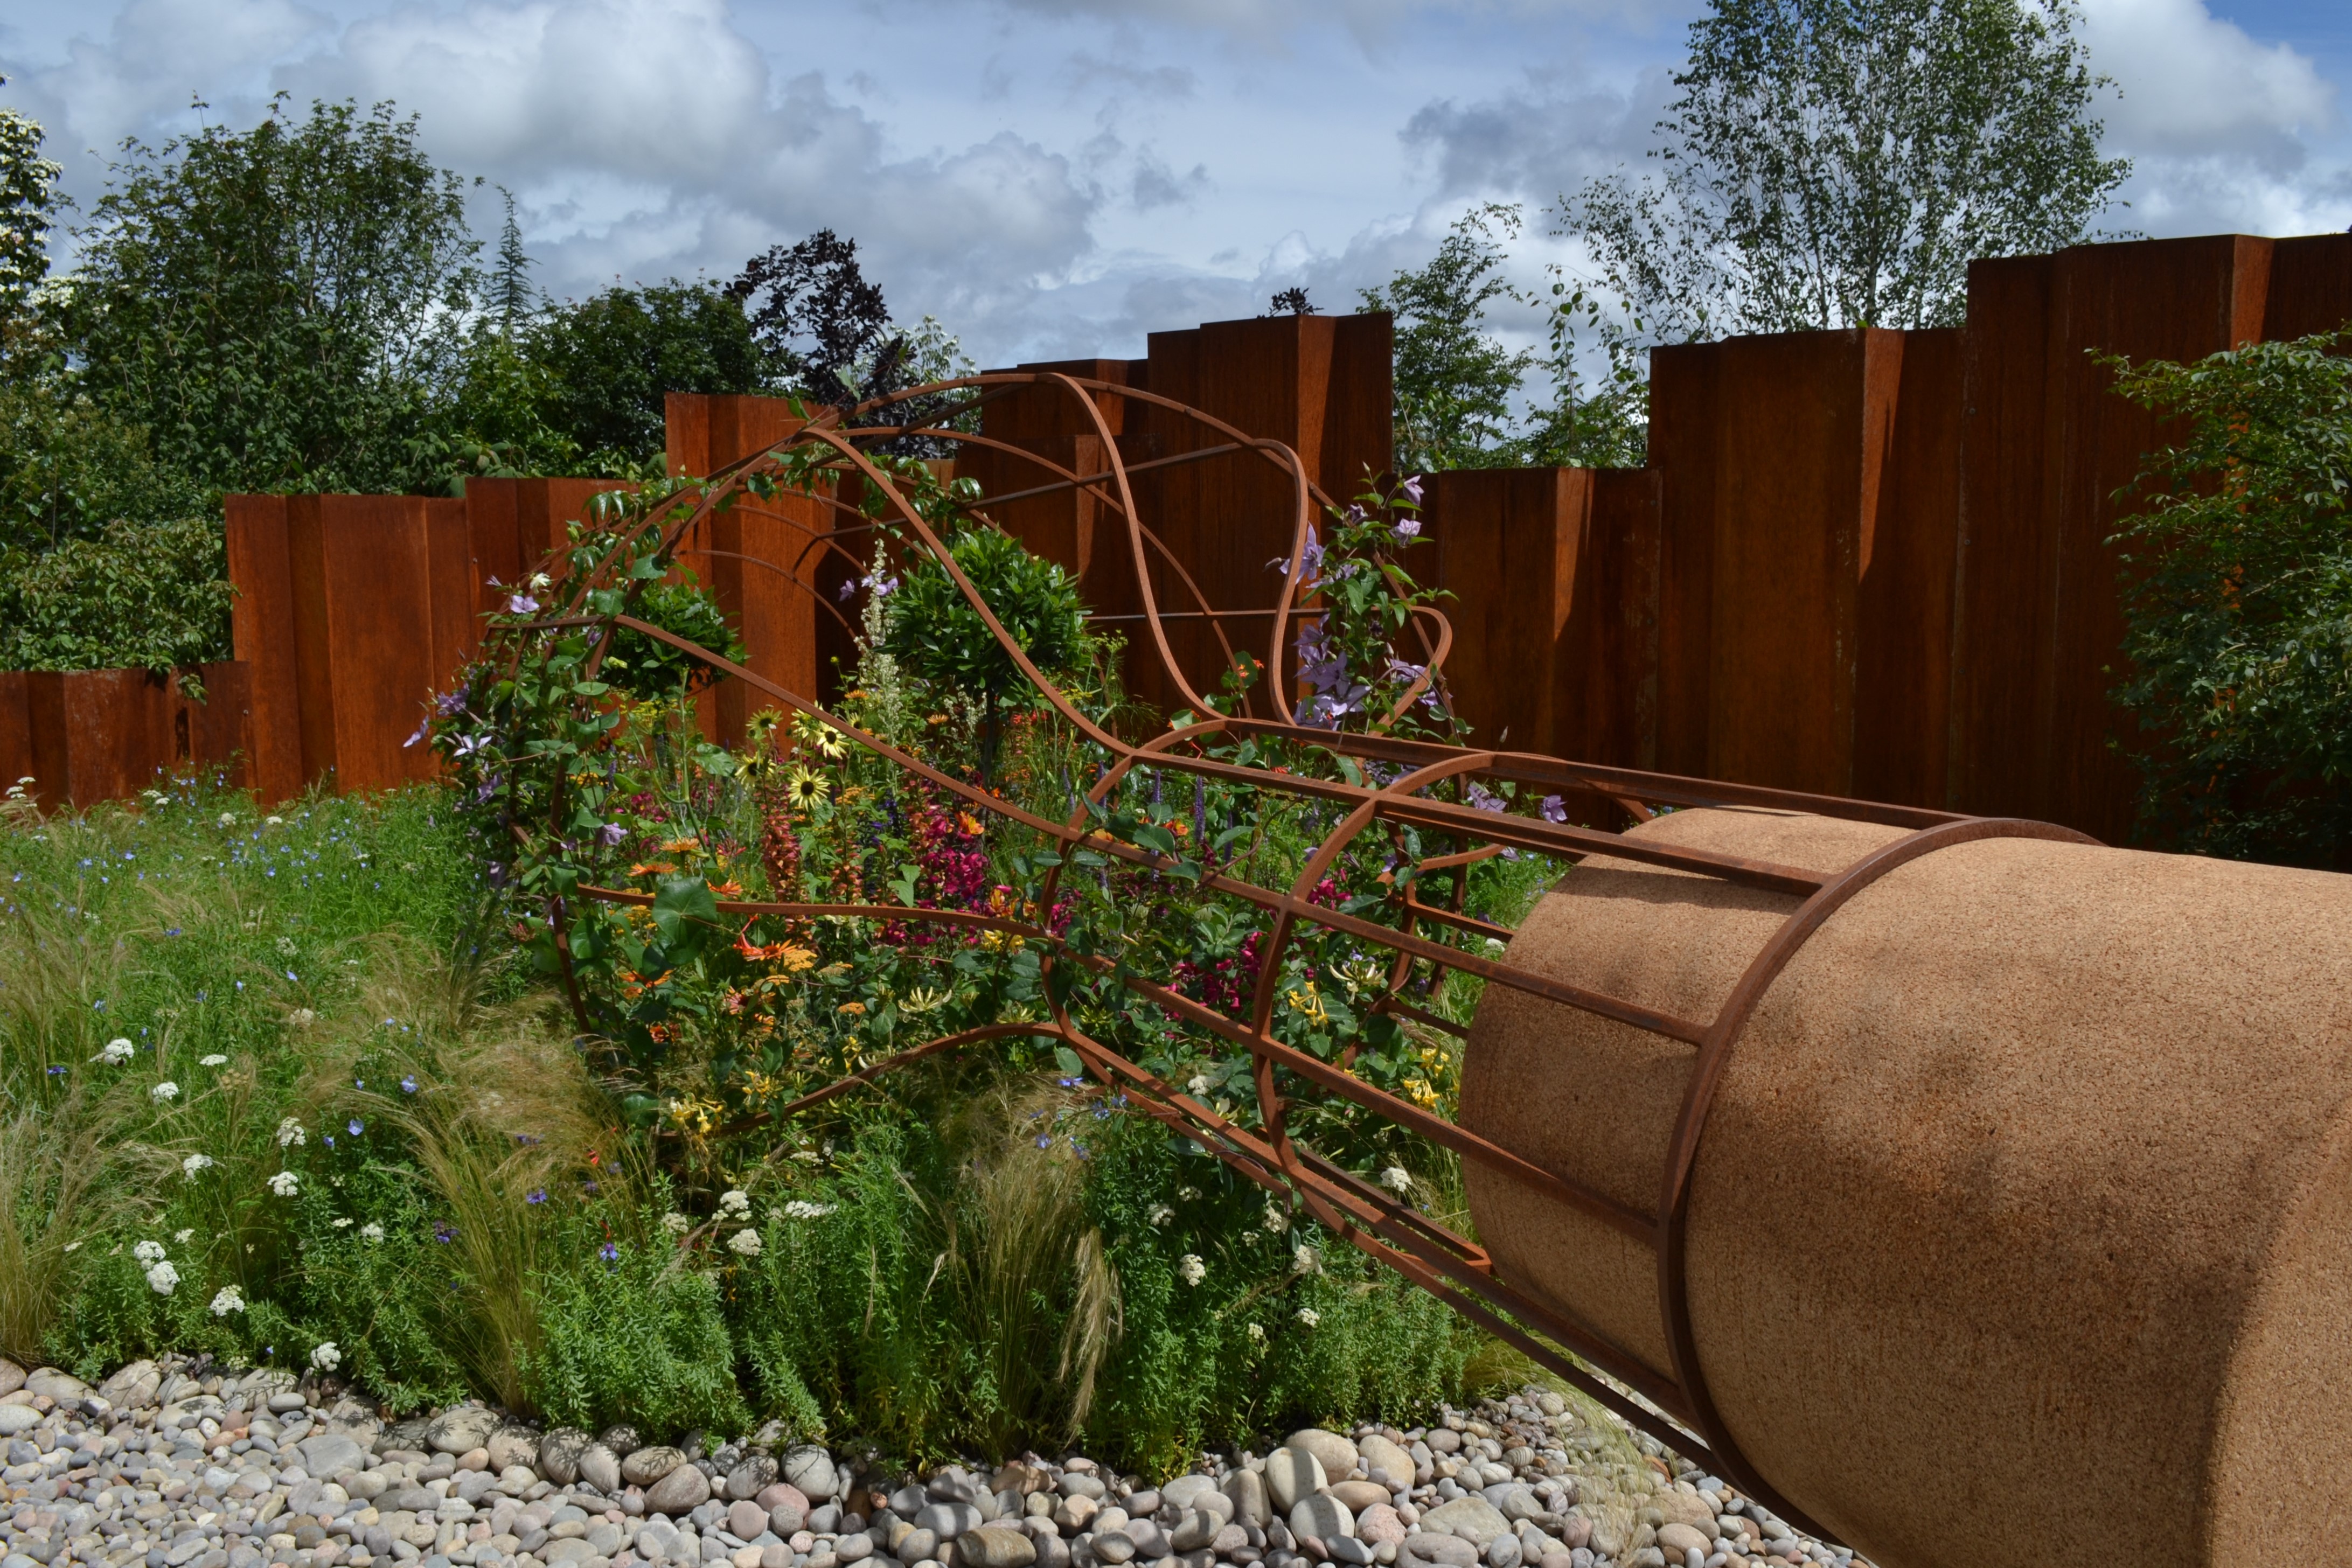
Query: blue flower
column 609, row 1252
column 357, row 1127
column 56, row 1072
column 537, row 1196
column 408, row 1083
column 1044, row 1141
column 444, row 1231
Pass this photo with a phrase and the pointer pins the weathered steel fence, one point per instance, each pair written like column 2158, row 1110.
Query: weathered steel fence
column 1862, row 563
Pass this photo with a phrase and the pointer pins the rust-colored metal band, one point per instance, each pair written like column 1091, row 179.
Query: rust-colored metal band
column 1699, row 1100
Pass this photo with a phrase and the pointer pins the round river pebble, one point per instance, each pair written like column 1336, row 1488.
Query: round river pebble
column 173, row 1464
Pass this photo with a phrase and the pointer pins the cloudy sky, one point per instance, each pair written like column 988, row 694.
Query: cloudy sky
column 1058, row 177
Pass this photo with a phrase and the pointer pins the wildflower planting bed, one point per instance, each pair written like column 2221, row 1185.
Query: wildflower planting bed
column 347, row 1217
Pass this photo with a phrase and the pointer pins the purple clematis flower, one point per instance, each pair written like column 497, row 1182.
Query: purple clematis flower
column 612, row 833
column 1554, row 810
column 1411, row 488
column 1408, row 527
column 423, row 726
column 522, row 604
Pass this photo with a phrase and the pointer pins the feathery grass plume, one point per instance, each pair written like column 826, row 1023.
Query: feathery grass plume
column 66, row 1179
column 493, row 1105
column 1033, row 1286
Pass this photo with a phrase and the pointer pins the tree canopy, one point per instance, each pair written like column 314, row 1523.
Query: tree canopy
column 1838, row 162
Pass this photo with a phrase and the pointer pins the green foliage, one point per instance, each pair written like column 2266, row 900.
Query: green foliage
column 607, row 360
column 1050, row 1268
column 29, row 201
column 1839, row 163
column 137, row 596
column 2238, row 601
column 69, row 467
column 634, row 1337
column 273, row 304
column 650, row 669
column 1455, row 385
column 936, row 633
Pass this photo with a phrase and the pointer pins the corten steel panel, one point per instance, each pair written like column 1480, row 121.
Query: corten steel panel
column 1794, row 419
column 1170, row 500
column 454, row 632
column 1682, row 454
column 1901, row 701
column 262, row 628
column 1358, row 438
column 705, row 432
column 99, row 734
column 1607, row 709
column 15, row 731
column 493, row 540
column 220, row 728
column 2006, row 556
column 314, row 659
column 779, row 617
column 1028, row 413
column 1508, row 548
column 2310, row 287
column 2174, row 300
column 363, row 596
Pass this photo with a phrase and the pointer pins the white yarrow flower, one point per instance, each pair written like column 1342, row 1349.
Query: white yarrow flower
column 195, row 1162
column 162, row 1278
column 1198, row 1084
column 734, row 1201
column 116, row 1051
column 228, row 1301
column 303, row 1017
column 291, row 1135
column 149, row 1252
column 800, row 1209
column 677, row 1224
column 1308, row 1316
column 228, row 818
column 342, row 1224
column 326, row 1358
column 286, row 1184
column 1305, row 1260
column 164, row 1093
column 215, row 1060
column 182, row 1235
column 746, row 1242
column 1162, row 1214
column 1397, row 1180
column 1277, row 1218
column 1190, row 1269
column 370, row 1231
column 1257, row 1332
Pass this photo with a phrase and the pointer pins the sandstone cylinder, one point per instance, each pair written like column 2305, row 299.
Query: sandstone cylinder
column 2021, row 1227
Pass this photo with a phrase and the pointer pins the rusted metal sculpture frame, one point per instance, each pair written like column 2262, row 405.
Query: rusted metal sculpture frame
column 1449, row 1266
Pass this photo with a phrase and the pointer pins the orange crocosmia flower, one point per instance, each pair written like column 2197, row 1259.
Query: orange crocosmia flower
column 728, row 889
column 967, row 822
column 651, row 868
column 682, row 847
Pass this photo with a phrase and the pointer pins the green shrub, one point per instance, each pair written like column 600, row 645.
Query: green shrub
column 139, row 595
column 628, row 1333
column 2238, row 600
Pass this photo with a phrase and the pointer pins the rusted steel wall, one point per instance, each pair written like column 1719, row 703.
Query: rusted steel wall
column 1870, row 563
column 2038, row 618
column 87, row 736
column 1319, row 384
column 1806, row 535
column 353, row 611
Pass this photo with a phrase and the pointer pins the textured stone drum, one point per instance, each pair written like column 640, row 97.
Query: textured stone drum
column 2021, row 1230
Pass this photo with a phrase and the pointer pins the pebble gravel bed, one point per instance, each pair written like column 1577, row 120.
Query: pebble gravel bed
column 176, row 1465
